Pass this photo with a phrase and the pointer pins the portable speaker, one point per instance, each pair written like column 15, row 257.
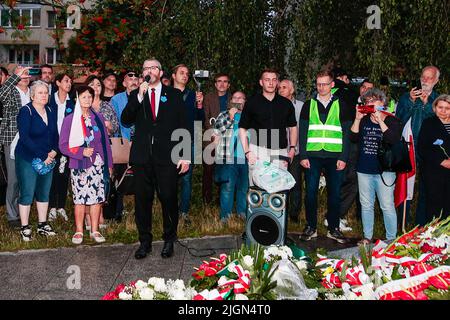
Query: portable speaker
column 266, row 217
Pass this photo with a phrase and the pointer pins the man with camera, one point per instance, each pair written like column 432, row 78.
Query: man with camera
column 214, row 103
column 417, row 106
column 193, row 102
column 324, row 145
column 231, row 170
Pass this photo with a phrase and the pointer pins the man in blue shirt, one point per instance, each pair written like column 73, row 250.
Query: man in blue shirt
column 416, row 105
column 119, row 101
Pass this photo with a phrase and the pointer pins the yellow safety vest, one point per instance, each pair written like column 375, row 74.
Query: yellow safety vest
column 326, row 136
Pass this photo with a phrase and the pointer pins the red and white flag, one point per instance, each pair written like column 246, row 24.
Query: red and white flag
column 404, row 187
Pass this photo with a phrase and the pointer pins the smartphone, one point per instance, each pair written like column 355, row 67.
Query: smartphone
column 416, row 84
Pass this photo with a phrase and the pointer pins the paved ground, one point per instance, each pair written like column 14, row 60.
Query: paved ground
column 50, row 274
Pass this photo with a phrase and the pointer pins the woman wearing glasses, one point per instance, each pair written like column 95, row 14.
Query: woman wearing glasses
column 370, row 130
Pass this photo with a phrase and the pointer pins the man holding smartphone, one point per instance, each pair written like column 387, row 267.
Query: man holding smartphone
column 416, row 105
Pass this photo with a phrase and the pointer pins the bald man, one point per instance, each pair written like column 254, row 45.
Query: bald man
column 416, row 105
column 287, row 90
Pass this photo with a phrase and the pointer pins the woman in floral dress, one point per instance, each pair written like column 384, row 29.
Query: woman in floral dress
column 84, row 139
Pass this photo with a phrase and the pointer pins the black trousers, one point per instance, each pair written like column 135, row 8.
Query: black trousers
column 349, row 188
column 60, row 184
column 437, row 195
column 295, row 194
column 162, row 179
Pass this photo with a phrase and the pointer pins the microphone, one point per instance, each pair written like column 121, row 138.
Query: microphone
column 147, row 79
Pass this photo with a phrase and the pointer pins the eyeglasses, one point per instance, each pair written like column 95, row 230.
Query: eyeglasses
column 151, row 68
column 131, row 75
column 323, row 84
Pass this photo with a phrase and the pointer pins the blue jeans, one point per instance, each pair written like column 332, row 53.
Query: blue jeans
column 238, row 179
column 31, row 184
column 186, row 190
column 186, row 187
column 371, row 185
column 334, row 181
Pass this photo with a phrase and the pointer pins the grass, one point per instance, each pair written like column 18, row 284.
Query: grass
column 205, row 221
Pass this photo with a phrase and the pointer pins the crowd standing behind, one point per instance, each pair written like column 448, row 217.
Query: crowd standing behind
column 42, row 126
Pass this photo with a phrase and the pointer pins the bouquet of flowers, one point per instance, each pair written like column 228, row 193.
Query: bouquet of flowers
column 153, row 289
column 414, row 266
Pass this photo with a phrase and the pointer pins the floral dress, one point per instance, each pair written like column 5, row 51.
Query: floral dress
column 88, row 185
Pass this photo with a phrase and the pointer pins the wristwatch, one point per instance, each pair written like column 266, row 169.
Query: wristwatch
column 295, row 148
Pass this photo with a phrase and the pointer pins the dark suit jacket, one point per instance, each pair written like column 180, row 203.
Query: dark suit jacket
column 432, row 155
column 152, row 139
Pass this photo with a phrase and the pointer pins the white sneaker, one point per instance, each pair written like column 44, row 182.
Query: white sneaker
column 343, row 225
column 63, row 214
column 52, row 214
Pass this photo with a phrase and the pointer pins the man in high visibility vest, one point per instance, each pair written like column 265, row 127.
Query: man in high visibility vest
column 324, row 145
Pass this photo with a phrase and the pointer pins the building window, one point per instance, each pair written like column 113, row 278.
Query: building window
column 53, row 56
column 51, row 19
column 29, row 17
column 27, row 55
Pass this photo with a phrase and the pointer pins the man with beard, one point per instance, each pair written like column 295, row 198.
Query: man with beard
column 156, row 111
column 417, row 106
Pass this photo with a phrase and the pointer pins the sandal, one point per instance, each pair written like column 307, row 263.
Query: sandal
column 97, row 236
column 364, row 242
column 76, row 239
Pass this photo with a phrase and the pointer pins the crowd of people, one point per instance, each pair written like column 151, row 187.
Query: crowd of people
column 54, row 132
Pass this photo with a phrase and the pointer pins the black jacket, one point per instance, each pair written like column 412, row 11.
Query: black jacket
column 432, row 155
column 152, row 139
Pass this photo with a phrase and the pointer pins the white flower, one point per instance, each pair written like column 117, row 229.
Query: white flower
column 301, row 264
column 248, row 261
column 125, row 296
column 140, row 284
column 146, row 294
column 177, row 295
column 190, row 293
column 179, row 284
column 152, row 281
column 160, row 285
column 364, row 278
column 240, row 297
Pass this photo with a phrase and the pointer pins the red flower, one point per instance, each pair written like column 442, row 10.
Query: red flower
column 110, row 296
column 98, row 19
column 20, row 27
column 123, row 21
column 81, row 1
column 119, row 289
column 2, row 30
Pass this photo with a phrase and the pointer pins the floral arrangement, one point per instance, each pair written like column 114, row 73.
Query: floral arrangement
column 153, row 289
column 415, row 266
column 252, row 273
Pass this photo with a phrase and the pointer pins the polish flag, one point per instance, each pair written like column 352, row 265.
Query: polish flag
column 404, row 187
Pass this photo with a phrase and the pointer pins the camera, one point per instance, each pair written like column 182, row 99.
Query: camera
column 200, row 75
column 367, row 109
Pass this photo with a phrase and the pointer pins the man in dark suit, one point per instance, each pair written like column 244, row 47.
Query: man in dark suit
column 156, row 111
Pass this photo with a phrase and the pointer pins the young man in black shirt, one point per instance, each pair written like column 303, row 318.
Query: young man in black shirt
column 268, row 115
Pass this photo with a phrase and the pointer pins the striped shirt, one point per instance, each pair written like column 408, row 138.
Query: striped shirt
column 447, row 127
column 12, row 102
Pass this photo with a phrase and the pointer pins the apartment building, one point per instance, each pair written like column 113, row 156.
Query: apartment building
column 39, row 46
